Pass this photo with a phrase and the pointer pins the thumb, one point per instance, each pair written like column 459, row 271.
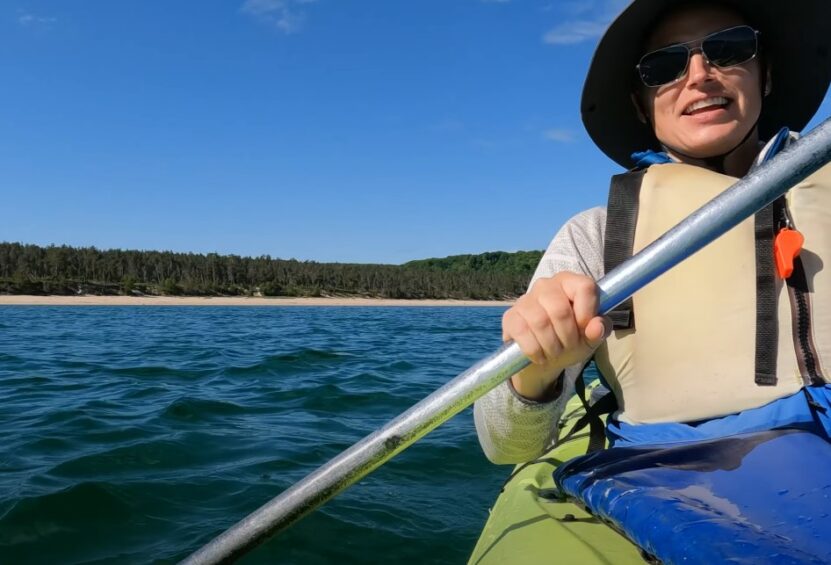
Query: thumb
column 597, row 330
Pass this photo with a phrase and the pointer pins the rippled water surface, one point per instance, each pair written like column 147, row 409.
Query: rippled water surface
column 137, row 434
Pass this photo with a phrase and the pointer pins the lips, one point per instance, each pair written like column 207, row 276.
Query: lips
column 706, row 105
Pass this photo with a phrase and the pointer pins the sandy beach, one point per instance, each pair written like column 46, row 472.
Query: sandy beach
column 7, row 300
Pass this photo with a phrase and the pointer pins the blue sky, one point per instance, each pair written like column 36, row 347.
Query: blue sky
column 327, row 130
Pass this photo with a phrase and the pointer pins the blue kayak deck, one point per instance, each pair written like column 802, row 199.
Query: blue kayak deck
column 757, row 498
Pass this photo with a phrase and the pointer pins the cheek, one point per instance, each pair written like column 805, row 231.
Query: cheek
column 750, row 88
column 644, row 99
column 662, row 108
column 752, row 96
column 652, row 105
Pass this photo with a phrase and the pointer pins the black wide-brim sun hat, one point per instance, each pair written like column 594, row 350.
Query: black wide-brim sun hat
column 795, row 38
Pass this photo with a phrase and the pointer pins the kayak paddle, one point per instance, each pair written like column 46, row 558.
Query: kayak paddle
column 742, row 200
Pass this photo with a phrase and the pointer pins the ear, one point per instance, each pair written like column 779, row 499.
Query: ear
column 768, row 81
column 636, row 102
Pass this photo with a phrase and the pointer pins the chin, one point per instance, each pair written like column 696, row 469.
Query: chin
column 713, row 142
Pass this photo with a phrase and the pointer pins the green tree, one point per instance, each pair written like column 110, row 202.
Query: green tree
column 128, row 285
column 170, row 287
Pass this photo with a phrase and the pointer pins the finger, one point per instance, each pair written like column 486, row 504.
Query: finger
column 561, row 316
column 530, row 347
column 506, row 320
column 509, row 319
column 540, row 323
column 582, row 292
column 515, row 327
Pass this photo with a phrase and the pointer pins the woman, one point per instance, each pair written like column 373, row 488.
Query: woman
column 697, row 92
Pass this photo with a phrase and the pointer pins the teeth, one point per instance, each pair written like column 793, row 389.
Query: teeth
column 714, row 101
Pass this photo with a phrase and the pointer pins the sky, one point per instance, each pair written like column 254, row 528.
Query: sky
column 370, row 131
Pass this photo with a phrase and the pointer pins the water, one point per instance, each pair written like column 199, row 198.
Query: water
column 137, row 434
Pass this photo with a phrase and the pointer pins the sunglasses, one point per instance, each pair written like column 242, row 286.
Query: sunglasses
column 725, row 48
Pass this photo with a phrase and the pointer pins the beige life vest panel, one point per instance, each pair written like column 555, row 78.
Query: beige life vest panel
column 691, row 353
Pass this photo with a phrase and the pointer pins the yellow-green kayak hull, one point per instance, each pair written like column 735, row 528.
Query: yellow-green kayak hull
column 526, row 526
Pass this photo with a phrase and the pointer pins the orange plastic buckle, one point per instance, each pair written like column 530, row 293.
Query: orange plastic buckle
column 786, row 248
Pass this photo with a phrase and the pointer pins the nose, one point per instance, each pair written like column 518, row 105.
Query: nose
column 699, row 70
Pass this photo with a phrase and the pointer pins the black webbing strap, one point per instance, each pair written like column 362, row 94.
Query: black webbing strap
column 767, row 330
column 621, row 218
column 597, row 430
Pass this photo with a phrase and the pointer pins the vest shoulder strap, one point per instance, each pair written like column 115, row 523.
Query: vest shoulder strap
column 621, row 219
column 767, row 326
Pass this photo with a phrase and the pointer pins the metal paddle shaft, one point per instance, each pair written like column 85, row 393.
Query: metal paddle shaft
column 741, row 201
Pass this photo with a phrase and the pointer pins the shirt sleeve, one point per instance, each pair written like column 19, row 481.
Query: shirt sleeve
column 513, row 429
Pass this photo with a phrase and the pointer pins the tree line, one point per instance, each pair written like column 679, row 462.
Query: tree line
column 32, row 269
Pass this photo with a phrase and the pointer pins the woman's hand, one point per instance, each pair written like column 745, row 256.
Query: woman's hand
column 555, row 325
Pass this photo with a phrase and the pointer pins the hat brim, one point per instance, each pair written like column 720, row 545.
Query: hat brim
column 796, row 36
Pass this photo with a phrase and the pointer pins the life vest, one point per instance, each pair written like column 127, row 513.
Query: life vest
column 721, row 332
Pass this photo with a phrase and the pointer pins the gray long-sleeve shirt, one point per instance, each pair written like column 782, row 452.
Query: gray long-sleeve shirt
column 513, row 429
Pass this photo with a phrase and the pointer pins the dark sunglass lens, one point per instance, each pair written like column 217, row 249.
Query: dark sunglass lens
column 730, row 47
column 663, row 66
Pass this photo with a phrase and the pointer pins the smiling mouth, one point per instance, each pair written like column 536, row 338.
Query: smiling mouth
column 707, row 105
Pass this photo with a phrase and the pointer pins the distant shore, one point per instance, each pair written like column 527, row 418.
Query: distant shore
column 85, row 300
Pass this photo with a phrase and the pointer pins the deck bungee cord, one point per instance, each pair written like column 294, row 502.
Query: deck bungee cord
column 749, row 195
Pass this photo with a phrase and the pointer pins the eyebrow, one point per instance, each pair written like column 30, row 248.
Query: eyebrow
column 662, row 45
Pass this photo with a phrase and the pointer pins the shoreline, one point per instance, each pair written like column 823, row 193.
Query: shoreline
column 92, row 300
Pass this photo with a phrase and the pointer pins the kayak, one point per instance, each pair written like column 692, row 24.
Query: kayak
column 762, row 497
column 529, row 523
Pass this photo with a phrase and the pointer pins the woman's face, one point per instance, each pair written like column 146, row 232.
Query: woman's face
column 731, row 97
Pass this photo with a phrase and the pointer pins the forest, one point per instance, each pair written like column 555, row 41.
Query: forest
column 64, row 270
